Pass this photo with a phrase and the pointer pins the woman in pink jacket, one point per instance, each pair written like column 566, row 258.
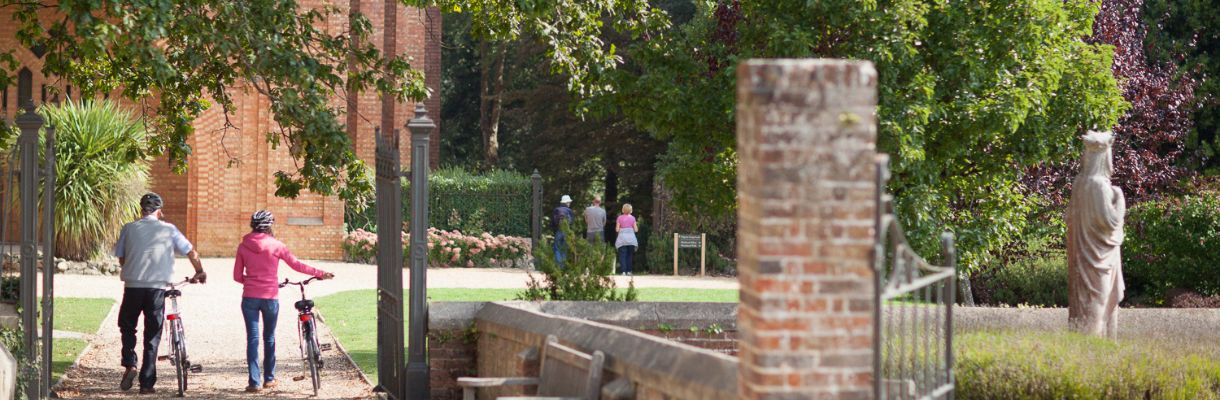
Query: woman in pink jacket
column 257, row 269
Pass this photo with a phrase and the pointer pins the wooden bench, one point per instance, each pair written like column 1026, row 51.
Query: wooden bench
column 564, row 373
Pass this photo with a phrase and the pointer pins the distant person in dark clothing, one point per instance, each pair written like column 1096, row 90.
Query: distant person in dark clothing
column 595, row 222
column 561, row 214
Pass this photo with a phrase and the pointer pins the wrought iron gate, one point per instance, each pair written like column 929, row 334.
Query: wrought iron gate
column 913, row 324
column 26, row 179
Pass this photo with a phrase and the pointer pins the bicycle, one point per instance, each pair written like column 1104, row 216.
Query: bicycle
column 177, row 334
column 311, row 351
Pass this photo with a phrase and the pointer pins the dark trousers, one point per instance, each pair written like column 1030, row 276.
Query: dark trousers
column 150, row 303
column 625, row 254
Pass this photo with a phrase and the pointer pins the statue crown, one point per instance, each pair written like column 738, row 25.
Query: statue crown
column 1095, row 140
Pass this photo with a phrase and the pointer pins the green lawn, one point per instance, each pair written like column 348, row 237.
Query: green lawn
column 64, row 353
column 75, row 315
column 352, row 316
column 80, row 315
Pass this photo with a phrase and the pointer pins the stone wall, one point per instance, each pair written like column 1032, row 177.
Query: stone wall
column 490, row 339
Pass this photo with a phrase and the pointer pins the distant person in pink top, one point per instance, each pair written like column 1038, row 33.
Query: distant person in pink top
column 257, row 269
column 626, row 243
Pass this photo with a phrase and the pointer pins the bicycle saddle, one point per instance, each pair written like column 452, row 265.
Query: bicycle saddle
column 304, row 305
column 173, row 293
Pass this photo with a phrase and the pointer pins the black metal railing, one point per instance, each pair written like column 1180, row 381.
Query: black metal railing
column 913, row 324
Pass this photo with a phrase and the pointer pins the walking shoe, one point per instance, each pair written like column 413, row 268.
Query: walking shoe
column 129, row 377
column 144, row 390
column 270, row 384
column 252, row 389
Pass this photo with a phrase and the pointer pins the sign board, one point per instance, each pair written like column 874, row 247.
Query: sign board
column 691, row 241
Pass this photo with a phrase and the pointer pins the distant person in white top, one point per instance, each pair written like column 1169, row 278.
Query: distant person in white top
column 146, row 250
column 595, row 222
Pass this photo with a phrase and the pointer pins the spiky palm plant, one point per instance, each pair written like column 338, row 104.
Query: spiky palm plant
column 101, row 172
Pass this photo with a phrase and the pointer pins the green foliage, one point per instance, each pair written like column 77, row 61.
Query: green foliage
column 660, row 256
column 1185, row 33
column 584, row 276
column 495, row 202
column 1028, row 365
column 178, row 57
column 970, row 93
column 1037, row 281
column 10, row 289
column 101, row 172
column 12, row 339
column 1172, row 243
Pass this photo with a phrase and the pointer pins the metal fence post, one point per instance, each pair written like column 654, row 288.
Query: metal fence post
column 389, row 268
column 29, row 122
column 48, row 259
column 417, row 351
column 536, row 215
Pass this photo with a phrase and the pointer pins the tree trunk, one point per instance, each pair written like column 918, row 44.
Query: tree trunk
column 491, row 87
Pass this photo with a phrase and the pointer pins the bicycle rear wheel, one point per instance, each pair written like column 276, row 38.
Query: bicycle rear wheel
column 313, row 356
column 179, row 357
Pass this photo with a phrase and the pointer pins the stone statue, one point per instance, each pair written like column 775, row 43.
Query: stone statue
column 1094, row 236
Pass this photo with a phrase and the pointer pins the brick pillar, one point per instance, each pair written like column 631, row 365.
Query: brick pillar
column 806, row 135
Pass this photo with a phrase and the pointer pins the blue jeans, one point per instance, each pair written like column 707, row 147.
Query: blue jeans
column 270, row 310
column 560, row 247
column 624, row 258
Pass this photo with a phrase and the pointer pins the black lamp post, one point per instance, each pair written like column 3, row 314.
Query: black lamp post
column 417, row 352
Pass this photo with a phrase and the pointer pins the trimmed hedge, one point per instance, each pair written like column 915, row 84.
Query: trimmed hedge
column 1173, row 243
column 497, row 202
column 1037, row 281
column 1062, row 365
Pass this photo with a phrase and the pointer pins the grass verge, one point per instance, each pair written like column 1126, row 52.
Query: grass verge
column 1043, row 365
column 352, row 316
column 80, row 315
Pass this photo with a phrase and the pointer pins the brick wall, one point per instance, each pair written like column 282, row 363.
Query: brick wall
column 806, row 133
column 722, row 342
column 231, row 170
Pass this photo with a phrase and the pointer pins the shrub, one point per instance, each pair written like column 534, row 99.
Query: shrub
column 1038, row 281
column 446, row 249
column 661, row 256
column 583, row 277
column 498, row 202
column 1062, row 365
column 1173, row 243
column 101, row 172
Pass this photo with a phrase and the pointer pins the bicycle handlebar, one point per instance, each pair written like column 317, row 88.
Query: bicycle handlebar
column 286, row 282
column 186, row 281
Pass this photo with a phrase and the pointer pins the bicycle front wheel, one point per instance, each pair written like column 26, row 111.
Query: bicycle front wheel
column 179, row 356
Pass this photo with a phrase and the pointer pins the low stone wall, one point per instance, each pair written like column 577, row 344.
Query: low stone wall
column 666, row 350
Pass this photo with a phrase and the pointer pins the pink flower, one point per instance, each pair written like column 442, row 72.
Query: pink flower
column 454, row 258
column 469, row 264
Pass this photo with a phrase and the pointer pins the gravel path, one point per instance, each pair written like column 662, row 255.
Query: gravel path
column 216, row 333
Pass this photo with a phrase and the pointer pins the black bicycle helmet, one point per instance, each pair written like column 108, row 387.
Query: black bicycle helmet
column 261, row 220
column 151, row 202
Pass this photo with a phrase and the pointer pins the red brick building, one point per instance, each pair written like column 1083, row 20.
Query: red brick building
column 212, row 202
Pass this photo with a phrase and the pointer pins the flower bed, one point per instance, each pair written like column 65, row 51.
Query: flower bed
column 448, row 249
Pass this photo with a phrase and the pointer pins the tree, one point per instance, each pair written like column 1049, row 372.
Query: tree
column 177, row 54
column 1185, row 33
column 1151, row 137
column 970, row 94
